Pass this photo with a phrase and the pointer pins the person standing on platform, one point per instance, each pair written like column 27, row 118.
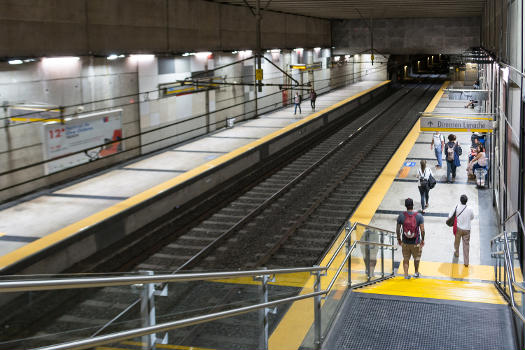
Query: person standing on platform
column 313, row 97
column 423, row 174
column 452, row 152
column 464, row 215
column 297, row 102
column 438, row 144
column 411, row 225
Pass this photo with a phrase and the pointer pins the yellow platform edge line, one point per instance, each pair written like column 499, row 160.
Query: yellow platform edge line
column 295, row 324
column 455, row 117
column 457, row 130
column 83, row 224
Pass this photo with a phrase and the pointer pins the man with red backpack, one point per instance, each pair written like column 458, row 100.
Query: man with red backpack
column 410, row 225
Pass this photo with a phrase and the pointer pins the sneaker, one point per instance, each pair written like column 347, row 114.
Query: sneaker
column 426, row 205
column 407, row 277
column 416, row 275
column 466, row 265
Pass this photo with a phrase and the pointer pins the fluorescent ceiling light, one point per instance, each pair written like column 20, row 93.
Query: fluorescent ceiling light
column 202, row 55
column 59, row 61
column 15, row 62
column 142, row 58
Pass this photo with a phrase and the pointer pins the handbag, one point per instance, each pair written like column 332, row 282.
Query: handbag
column 456, row 160
column 452, row 220
column 455, row 227
column 431, row 182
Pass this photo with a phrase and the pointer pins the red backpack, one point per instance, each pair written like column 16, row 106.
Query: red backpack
column 410, row 229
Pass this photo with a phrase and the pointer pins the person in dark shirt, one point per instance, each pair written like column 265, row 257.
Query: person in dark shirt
column 313, row 97
column 410, row 224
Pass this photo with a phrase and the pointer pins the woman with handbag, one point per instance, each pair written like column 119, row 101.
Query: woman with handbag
column 424, row 174
column 460, row 218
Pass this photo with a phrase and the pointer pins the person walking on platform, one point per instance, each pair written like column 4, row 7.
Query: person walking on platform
column 313, row 97
column 423, row 174
column 464, row 215
column 438, row 144
column 452, row 152
column 411, row 225
column 297, row 102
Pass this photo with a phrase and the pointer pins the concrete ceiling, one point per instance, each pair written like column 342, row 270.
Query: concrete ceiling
column 346, row 9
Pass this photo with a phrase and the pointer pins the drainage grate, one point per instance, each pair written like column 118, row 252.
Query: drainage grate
column 386, row 322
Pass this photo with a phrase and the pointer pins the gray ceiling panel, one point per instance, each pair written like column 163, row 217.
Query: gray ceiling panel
column 345, row 9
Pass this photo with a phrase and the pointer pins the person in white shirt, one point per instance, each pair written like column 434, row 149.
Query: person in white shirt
column 438, row 145
column 464, row 216
column 297, row 103
column 423, row 175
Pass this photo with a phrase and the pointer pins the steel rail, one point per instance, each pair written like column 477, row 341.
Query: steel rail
column 256, row 211
column 266, row 257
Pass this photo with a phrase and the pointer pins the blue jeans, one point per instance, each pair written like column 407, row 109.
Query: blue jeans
column 297, row 105
column 451, row 170
column 439, row 155
column 423, row 191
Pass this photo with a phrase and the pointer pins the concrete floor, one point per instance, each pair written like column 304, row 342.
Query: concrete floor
column 443, row 198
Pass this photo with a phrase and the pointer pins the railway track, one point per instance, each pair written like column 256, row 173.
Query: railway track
column 289, row 219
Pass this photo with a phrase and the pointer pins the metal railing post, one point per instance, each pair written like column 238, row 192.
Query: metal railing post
column 382, row 255
column 349, row 246
column 317, row 311
column 263, row 313
column 148, row 312
column 368, row 260
column 392, row 244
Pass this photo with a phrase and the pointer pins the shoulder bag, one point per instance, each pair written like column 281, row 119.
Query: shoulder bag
column 431, row 181
column 450, row 221
column 455, row 227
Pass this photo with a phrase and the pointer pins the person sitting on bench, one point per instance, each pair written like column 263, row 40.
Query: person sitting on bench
column 479, row 161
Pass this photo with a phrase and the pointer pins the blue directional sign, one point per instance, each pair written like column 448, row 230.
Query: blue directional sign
column 409, row 164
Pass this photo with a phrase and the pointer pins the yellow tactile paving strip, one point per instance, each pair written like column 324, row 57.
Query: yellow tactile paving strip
column 292, row 329
column 438, row 289
column 70, row 230
column 451, row 270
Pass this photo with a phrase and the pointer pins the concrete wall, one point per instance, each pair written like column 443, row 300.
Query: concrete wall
column 77, row 83
column 407, row 35
column 82, row 27
column 502, row 32
column 152, row 121
column 173, row 119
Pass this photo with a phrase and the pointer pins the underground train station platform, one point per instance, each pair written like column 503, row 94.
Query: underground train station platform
column 357, row 296
column 443, row 305
column 29, row 228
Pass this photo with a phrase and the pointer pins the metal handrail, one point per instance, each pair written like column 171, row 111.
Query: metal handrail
column 341, row 245
column 97, row 282
column 509, row 273
column 118, row 336
column 89, row 282
column 163, row 327
column 520, row 219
